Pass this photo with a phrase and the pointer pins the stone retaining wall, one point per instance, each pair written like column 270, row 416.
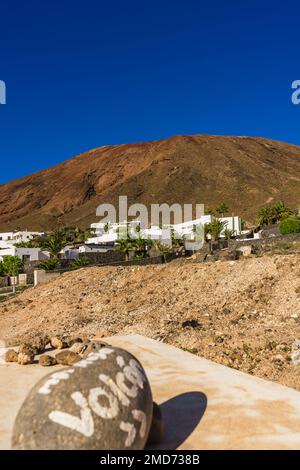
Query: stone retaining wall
column 263, row 245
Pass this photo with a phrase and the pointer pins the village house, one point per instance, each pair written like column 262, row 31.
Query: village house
column 25, row 254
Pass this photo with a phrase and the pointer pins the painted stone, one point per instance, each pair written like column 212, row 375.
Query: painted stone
column 101, row 402
column 156, row 433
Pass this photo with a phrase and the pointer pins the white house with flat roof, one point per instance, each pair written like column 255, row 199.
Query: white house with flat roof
column 19, row 236
column 109, row 233
column 69, row 252
column 25, row 254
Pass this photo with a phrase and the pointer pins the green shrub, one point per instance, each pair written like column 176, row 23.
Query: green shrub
column 12, row 265
column 80, row 262
column 48, row 264
column 2, row 272
column 289, row 225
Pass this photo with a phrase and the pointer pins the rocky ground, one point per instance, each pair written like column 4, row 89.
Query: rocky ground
column 244, row 314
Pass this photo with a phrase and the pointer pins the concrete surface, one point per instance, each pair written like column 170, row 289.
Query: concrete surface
column 205, row 405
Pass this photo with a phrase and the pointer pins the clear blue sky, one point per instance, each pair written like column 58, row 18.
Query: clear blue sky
column 84, row 74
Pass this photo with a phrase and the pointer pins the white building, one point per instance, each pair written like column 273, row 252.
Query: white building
column 108, row 234
column 109, row 237
column 92, row 248
column 10, row 238
column 25, row 254
column 6, row 236
column 69, row 252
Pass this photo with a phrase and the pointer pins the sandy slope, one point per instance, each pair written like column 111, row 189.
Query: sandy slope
column 248, row 311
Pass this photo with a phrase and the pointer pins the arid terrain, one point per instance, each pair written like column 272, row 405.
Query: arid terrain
column 245, row 172
column 244, row 314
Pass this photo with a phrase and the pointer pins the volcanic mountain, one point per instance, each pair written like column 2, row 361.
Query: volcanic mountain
column 245, row 172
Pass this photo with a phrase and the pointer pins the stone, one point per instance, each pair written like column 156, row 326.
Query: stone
column 67, row 358
column 295, row 355
column 25, row 359
column 156, row 433
column 27, row 348
column 78, row 348
column 70, row 341
column 190, row 324
column 11, row 356
column 94, row 346
column 26, row 354
column 58, row 342
column 246, row 250
column 278, row 358
column 40, row 343
column 233, row 255
column 103, row 402
column 47, row 360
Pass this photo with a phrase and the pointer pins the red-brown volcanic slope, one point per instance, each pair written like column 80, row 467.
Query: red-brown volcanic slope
column 246, row 172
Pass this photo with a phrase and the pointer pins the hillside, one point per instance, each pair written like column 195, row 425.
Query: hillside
column 250, row 324
column 246, row 172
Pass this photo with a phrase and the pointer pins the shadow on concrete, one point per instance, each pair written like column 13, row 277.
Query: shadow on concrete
column 181, row 415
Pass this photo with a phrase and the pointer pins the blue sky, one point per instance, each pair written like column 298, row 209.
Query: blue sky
column 84, row 74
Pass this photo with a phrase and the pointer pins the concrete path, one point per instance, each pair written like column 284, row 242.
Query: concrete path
column 205, row 405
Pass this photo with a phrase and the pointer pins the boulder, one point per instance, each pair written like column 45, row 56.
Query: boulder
column 27, row 348
column 79, row 348
column 11, row 356
column 67, row 357
column 58, row 342
column 245, row 250
column 26, row 354
column 71, row 340
column 47, row 360
column 40, row 342
column 102, row 402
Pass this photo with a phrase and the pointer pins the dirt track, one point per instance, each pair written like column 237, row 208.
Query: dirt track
column 244, row 314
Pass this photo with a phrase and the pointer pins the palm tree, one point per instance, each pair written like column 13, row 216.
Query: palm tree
column 215, row 228
column 125, row 245
column 55, row 243
column 281, row 211
column 48, row 264
column 175, row 238
column 80, row 262
column 228, row 233
column 140, row 246
column 272, row 214
column 208, row 211
column 265, row 216
column 222, row 209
